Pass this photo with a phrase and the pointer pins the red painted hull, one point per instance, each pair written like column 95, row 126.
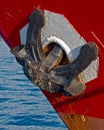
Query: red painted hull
column 88, row 19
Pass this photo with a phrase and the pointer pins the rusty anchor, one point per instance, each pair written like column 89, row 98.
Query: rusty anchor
column 48, row 66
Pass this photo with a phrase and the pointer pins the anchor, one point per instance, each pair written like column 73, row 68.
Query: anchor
column 48, row 65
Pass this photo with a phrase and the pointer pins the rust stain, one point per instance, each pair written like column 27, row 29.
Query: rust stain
column 81, row 122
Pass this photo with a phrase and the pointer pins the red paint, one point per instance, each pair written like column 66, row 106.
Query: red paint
column 88, row 19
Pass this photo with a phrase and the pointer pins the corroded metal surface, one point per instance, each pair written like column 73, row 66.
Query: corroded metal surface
column 81, row 122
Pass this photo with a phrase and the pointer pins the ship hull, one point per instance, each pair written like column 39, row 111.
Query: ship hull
column 84, row 112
